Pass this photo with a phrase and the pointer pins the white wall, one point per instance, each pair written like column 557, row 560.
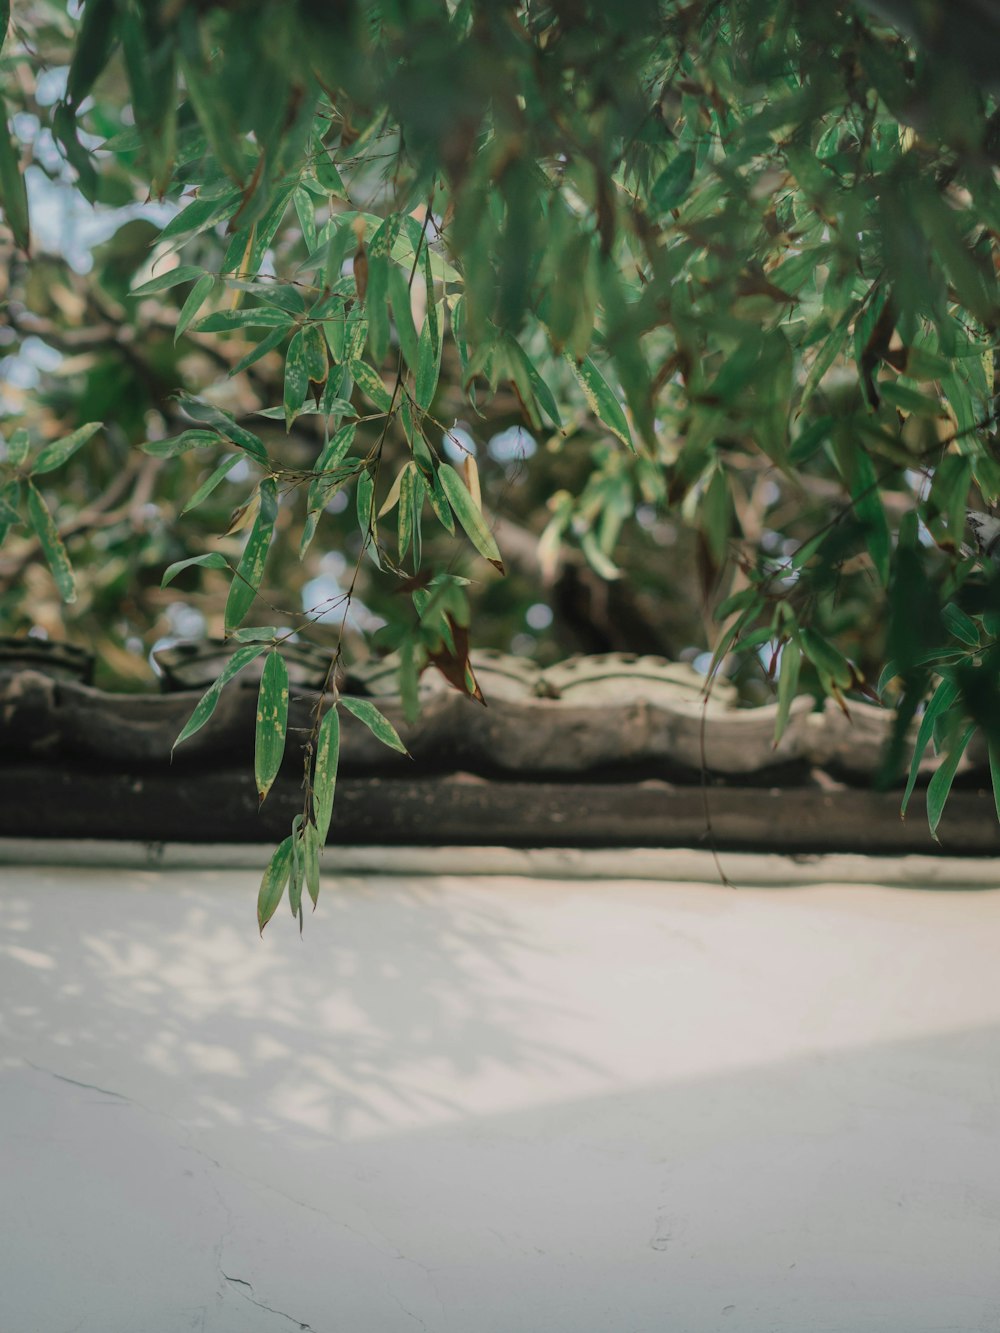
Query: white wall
column 496, row 1105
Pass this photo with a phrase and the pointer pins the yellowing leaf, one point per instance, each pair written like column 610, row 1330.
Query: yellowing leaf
column 272, row 722
column 469, row 516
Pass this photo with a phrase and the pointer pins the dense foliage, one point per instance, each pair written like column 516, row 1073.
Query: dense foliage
column 686, row 312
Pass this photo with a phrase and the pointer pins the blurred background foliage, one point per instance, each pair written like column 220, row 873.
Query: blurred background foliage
column 714, row 286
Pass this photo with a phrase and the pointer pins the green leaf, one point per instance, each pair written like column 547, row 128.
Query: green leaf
column 469, row 516
column 371, row 382
column 791, row 662
column 377, row 304
column 827, row 355
column 939, row 787
column 52, row 544
column 601, row 399
column 13, row 193
column 530, row 384
column 94, row 43
column 10, row 507
column 826, row 659
column 209, row 484
column 297, row 871
column 215, row 114
column 57, row 453
column 194, row 301
column 941, row 700
column 739, row 601
column 201, row 214
column 365, row 500
column 325, row 773
column 180, row 444
column 328, row 175
column 310, row 861
column 405, row 518
column 961, row 625
column 909, row 400
column 256, row 634
column 399, row 295
column 274, row 339
column 314, row 353
column 305, row 211
column 206, row 704
column 17, row 447
column 428, row 359
column 272, row 722
column 335, row 449
column 213, row 560
column 251, row 567
column 150, row 65
column 272, row 886
column 994, row 753
column 673, row 183
column 226, row 426
column 173, row 278
column 380, row 727
column 296, row 379
column 870, row 511
column 246, row 317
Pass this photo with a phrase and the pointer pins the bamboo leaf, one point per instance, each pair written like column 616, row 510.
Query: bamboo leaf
column 10, row 506
column 296, row 379
column 59, row 451
column 405, row 519
column 223, row 422
column 213, row 560
column 251, row 567
column 17, row 447
column 180, row 444
column 673, row 184
column 399, row 295
column 871, row 513
column 165, row 281
column 274, row 339
column 272, row 722
column 601, row 399
column 961, row 625
column 325, row 773
column 994, row 753
column 335, row 449
column 791, row 662
column 380, row 727
column 13, row 193
column 246, row 317
column 469, row 516
column 209, row 484
column 52, row 544
column 314, row 353
column 272, row 886
column 310, row 861
column 428, row 365
column 941, row 700
column 369, row 380
column 193, row 302
column 206, row 704
column 297, row 871
column 366, row 504
column 939, row 787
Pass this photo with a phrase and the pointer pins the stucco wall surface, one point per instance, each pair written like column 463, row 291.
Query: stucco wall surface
column 496, row 1105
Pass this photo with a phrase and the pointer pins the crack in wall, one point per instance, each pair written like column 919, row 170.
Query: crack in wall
column 242, row 1282
column 77, row 1083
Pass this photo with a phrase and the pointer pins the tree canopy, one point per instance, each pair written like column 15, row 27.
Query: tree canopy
column 682, row 316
